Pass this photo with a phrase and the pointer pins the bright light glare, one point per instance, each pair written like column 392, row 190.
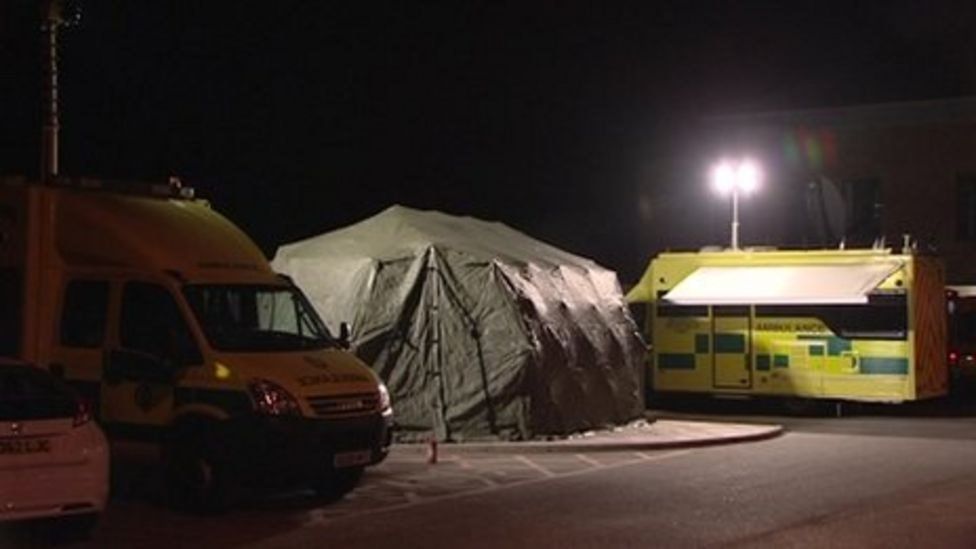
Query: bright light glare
column 744, row 176
column 723, row 177
column 747, row 176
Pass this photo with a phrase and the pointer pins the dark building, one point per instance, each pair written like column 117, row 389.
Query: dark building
column 850, row 175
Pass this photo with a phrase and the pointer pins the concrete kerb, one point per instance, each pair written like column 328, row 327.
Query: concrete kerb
column 660, row 435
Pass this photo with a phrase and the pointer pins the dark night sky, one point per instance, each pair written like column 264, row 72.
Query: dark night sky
column 300, row 117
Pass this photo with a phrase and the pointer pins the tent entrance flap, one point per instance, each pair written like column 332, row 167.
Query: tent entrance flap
column 781, row 284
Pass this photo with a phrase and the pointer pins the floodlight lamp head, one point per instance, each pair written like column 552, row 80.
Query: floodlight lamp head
column 748, row 176
column 723, row 177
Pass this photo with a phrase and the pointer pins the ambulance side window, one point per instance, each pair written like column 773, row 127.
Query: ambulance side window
column 83, row 313
column 151, row 322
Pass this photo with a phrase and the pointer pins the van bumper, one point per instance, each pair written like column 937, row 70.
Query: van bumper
column 291, row 449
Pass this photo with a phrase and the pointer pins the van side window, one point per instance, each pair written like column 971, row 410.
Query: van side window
column 151, row 322
column 84, row 313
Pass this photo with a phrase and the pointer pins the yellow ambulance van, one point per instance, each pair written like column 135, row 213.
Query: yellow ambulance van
column 170, row 320
column 859, row 325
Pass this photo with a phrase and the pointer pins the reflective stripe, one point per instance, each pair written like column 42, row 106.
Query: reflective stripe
column 730, row 343
column 676, row 361
column 701, row 343
column 233, row 401
column 883, row 365
column 835, row 345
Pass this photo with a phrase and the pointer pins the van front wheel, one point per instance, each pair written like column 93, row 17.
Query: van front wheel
column 196, row 482
column 335, row 484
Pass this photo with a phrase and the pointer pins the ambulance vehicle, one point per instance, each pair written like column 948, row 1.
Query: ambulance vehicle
column 170, row 320
column 858, row 325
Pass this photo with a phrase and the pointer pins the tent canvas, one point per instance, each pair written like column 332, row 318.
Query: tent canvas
column 480, row 331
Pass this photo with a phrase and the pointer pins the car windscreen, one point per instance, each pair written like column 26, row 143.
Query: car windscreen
column 256, row 318
column 28, row 393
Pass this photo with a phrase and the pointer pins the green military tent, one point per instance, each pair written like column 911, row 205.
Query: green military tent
column 480, row 331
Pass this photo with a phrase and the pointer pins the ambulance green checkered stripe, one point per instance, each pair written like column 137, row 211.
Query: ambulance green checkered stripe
column 701, row 343
column 762, row 362
column 835, row 345
column 676, row 361
column 816, row 350
column 730, row 343
column 781, row 361
column 234, row 402
column 883, row 365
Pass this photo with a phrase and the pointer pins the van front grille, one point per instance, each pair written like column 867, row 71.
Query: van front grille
column 345, row 405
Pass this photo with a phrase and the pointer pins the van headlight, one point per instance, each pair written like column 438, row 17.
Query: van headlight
column 272, row 399
column 386, row 405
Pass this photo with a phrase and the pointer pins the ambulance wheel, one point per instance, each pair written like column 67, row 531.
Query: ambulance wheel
column 196, row 482
column 335, row 484
column 805, row 407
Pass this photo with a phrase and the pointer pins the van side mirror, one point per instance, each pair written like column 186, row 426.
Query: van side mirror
column 344, row 335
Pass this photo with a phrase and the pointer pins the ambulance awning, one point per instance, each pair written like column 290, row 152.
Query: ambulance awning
column 781, row 284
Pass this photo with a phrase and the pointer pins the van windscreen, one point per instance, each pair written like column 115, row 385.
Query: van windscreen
column 256, row 318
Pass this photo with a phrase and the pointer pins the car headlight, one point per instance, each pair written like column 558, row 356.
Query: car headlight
column 272, row 399
column 386, row 405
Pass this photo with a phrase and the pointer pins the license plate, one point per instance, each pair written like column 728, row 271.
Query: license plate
column 25, row 446
column 351, row 459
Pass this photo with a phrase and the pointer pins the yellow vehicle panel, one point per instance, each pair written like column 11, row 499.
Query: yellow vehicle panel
column 889, row 348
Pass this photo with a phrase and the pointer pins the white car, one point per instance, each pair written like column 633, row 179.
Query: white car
column 54, row 460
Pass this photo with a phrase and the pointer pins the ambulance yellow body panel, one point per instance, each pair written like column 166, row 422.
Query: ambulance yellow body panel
column 864, row 325
column 170, row 319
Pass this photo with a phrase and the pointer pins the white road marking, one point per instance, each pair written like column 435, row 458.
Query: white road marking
column 534, row 465
column 413, row 497
column 487, row 481
column 399, row 484
column 335, row 516
column 588, row 460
